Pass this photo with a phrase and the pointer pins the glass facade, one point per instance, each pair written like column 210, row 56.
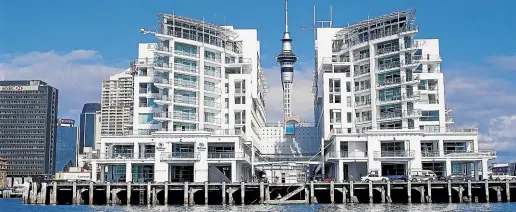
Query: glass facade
column 87, row 126
column 66, row 145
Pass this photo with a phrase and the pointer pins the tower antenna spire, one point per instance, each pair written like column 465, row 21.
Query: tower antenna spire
column 286, row 15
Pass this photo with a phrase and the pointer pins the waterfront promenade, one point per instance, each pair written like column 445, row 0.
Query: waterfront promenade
column 78, row 193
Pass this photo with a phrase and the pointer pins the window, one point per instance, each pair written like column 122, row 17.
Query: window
column 349, row 130
column 226, row 102
column 334, row 85
column 430, row 115
column 348, row 101
column 348, row 86
column 335, row 116
column 349, row 117
column 226, row 118
column 240, row 100
column 240, row 117
column 335, row 98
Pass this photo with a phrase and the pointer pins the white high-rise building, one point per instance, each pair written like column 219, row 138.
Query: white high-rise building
column 198, row 107
column 116, row 104
column 380, row 103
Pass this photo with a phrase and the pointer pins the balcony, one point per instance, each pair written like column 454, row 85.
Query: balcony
column 239, row 61
column 212, row 73
column 213, row 59
column 211, row 104
column 361, row 57
column 211, row 88
column 362, row 72
column 162, row 116
column 185, row 100
column 147, row 155
column 163, row 49
column 399, row 114
column 412, row 28
column 186, row 84
column 185, row 116
column 162, row 66
column 114, row 156
column 388, row 66
column 186, row 68
column 458, row 153
column 387, row 50
column 389, row 82
column 161, row 100
column 211, row 120
column 348, row 155
column 395, row 154
column 362, row 88
column 188, row 54
column 227, row 155
column 180, row 156
column 362, row 104
column 230, row 132
column 429, row 58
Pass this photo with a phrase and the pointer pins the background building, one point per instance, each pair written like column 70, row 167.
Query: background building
column 28, row 123
column 3, row 172
column 117, row 102
column 88, row 126
column 66, row 145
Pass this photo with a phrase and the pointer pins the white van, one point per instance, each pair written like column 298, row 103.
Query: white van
column 422, row 175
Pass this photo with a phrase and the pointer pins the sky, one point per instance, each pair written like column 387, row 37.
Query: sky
column 74, row 45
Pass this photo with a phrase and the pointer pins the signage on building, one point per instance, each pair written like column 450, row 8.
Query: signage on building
column 18, row 88
column 201, row 147
column 66, row 121
column 160, row 146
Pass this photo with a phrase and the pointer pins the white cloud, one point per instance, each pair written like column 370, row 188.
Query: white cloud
column 483, row 95
column 77, row 74
column 302, row 96
column 504, row 62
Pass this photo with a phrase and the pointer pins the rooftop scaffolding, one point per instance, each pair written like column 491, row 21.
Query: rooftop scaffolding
column 373, row 28
column 201, row 31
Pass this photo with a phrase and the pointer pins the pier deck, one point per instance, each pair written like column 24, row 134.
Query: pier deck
column 267, row 193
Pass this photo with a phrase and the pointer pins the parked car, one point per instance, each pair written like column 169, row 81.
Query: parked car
column 397, row 177
column 374, row 178
column 459, row 177
column 501, row 176
column 422, row 175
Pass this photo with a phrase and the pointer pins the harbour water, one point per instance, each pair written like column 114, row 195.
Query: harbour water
column 15, row 205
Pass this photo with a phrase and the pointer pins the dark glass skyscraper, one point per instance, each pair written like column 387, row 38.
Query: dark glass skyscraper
column 28, row 120
column 87, row 125
column 66, row 145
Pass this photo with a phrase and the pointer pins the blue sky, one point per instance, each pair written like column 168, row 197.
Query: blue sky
column 76, row 44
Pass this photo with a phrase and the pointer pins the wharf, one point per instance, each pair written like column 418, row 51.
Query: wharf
column 267, row 193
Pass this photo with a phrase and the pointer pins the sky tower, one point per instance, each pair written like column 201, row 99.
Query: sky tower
column 287, row 59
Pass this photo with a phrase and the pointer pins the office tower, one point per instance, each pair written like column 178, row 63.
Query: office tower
column 117, row 102
column 28, row 121
column 66, row 145
column 87, row 126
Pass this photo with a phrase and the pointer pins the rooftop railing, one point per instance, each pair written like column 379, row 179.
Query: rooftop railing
column 394, row 154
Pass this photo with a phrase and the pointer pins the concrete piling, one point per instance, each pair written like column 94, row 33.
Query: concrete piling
column 206, row 190
column 486, row 187
column 332, row 192
column 74, row 193
column 53, row 198
column 429, row 191
column 262, row 191
column 108, row 193
column 129, row 193
column 370, row 187
column 389, row 199
column 185, row 193
column 409, row 192
column 242, row 193
column 149, row 193
column 449, row 192
column 223, row 193
column 91, row 193
column 508, row 191
column 165, row 194
column 469, row 191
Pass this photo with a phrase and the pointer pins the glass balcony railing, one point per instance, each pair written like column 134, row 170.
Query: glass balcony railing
column 363, row 103
column 362, row 88
column 163, row 115
column 388, row 82
column 186, row 68
column 185, row 100
column 213, row 59
column 159, row 65
column 394, row 154
column 361, row 56
column 386, row 66
column 361, row 72
column 212, row 73
column 163, row 49
column 226, row 155
column 188, row 54
column 211, row 88
column 212, row 120
column 185, row 84
column 169, row 156
column 185, row 116
column 211, row 104
column 387, row 50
